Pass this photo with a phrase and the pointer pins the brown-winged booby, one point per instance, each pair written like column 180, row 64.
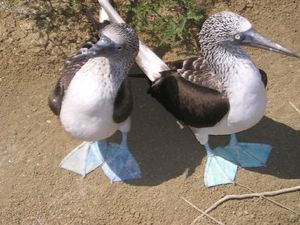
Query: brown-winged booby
column 93, row 100
column 220, row 92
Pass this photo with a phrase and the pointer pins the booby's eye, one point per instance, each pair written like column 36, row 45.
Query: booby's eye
column 237, row 37
column 120, row 48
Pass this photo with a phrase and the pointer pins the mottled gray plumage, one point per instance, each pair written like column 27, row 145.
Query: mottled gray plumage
column 218, row 44
column 196, row 71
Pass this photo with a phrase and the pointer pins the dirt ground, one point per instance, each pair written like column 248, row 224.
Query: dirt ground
column 34, row 190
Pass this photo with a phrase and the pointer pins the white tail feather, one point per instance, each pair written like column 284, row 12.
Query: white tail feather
column 103, row 15
column 146, row 59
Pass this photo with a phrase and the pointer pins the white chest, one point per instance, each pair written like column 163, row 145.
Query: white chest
column 247, row 98
column 246, row 93
column 87, row 107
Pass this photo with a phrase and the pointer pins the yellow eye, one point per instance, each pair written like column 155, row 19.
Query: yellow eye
column 237, row 37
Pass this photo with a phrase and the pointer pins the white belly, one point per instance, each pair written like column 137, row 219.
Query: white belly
column 87, row 107
column 247, row 107
column 247, row 99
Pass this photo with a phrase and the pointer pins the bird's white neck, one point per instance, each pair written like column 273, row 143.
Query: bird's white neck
column 106, row 71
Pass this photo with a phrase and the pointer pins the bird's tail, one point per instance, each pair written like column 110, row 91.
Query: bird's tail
column 103, row 16
column 146, row 59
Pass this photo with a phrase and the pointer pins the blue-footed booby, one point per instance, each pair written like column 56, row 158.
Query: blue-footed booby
column 220, row 92
column 93, row 101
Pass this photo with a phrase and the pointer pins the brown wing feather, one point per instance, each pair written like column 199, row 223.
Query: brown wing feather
column 66, row 75
column 194, row 105
column 196, row 71
column 123, row 104
column 264, row 77
column 191, row 92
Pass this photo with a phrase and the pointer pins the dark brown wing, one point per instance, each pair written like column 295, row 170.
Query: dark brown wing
column 55, row 98
column 264, row 77
column 192, row 94
column 66, row 75
column 123, row 104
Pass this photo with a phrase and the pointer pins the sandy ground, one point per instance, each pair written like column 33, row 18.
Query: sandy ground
column 33, row 190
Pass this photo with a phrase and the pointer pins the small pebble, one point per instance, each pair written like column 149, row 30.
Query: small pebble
column 132, row 211
column 239, row 213
column 136, row 214
column 112, row 217
column 48, row 121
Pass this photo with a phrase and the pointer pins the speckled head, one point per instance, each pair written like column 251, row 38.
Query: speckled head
column 122, row 37
column 223, row 27
column 229, row 30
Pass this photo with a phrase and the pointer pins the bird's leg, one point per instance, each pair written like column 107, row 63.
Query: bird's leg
column 124, row 142
column 245, row 154
column 209, row 151
column 233, row 139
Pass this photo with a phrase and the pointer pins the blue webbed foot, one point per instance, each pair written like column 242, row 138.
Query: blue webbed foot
column 245, row 154
column 119, row 164
column 116, row 160
column 218, row 170
column 83, row 159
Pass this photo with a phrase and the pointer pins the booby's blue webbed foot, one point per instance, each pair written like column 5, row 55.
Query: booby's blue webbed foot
column 245, row 154
column 218, row 170
column 119, row 164
column 83, row 159
column 116, row 160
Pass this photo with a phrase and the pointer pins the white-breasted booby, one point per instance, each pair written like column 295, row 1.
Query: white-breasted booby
column 93, row 101
column 220, row 92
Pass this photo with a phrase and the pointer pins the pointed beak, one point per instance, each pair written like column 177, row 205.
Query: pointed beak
column 254, row 39
column 103, row 47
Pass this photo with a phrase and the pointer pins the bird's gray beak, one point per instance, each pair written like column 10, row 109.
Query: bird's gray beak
column 254, row 39
column 103, row 47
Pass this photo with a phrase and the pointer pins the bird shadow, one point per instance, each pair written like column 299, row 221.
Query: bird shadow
column 284, row 161
column 164, row 151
